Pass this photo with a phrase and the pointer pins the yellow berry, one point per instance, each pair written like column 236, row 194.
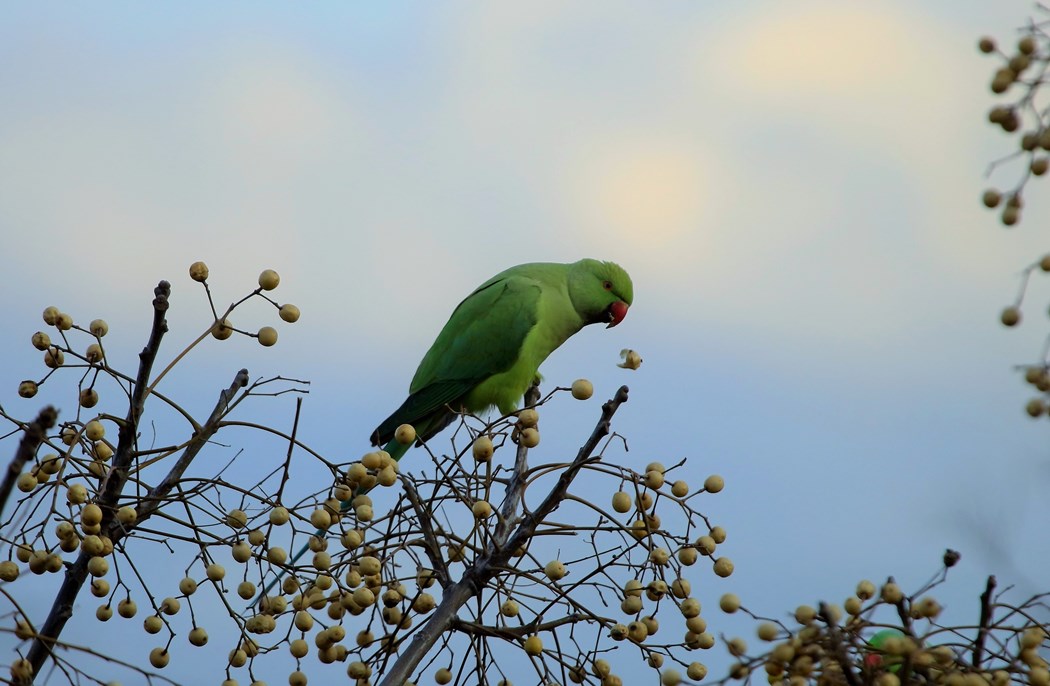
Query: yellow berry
column 88, row 398
column 687, row 556
column 621, row 502
column 267, row 336
column 729, row 603
column 159, row 657
column 805, row 614
column 723, row 567
column 54, row 358
column 98, row 328
column 153, row 624
column 187, row 586
column 679, row 489
column 481, row 509
column 530, row 438
column 509, row 608
column 714, row 484
column 289, row 313
column 892, row 593
column 236, row 519
column 528, row 418
column 533, row 645
column 1011, row 316
column 27, row 481
column 215, row 572
column 555, row 570
column 279, row 515
column 483, row 449
column 582, row 389
column 127, row 608
column 269, row 279
column 199, row 272
column 198, row 636
column 277, row 555
column 222, row 330
column 41, row 341
column 405, row 434
column 443, row 676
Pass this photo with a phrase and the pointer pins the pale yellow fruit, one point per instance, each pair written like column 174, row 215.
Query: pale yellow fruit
column 104, row 613
column 153, row 624
column 680, row 489
column 582, row 389
column 222, row 330
column 50, row 315
column 530, row 438
column 509, row 608
column 91, row 514
column 279, row 516
column 892, row 593
column 27, row 482
column 670, row 677
column 405, row 434
column 159, row 657
column 555, row 570
column 680, row 588
column 100, row 588
column 289, row 313
column 94, row 353
column 1010, row 316
column 637, row 631
column 98, row 327
column 54, row 358
column 198, row 636
column 215, row 571
column 127, row 515
column 246, row 590
column 654, row 480
column 199, row 272
column 729, row 602
column 28, row 389
column 533, row 645
column 687, row 556
column 236, row 519
column 8, row 570
column 718, row 534
column 481, row 509
column 660, row 556
column 256, row 537
column 714, row 483
column 88, row 398
column 768, row 631
column 320, row 518
column 170, row 606
column 690, row 608
column 723, row 567
column 443, row 676
column 621, row 502
column 267, row 336
column 804, row 614
column 187, row 586
column 241, row 551
column 269, row 279
column 277, row 555
column 63, row 322
column 483, row 449
column 865, row 590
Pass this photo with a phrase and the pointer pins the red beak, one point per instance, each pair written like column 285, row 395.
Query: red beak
column 617, row 311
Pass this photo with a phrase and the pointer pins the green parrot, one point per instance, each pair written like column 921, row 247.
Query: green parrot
column 491, row 348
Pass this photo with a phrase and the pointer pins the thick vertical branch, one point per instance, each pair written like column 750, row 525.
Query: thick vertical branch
column 516, row 488
column 478, row 574
column 76, row 574
column 33, row 435
column 985, row 622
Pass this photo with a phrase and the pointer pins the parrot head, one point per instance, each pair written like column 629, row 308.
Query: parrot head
column 601, row 292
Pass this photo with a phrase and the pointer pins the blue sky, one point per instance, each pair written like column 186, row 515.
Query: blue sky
column 793, row 187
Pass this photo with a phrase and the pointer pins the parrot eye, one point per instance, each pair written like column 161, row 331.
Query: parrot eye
column 607, row 285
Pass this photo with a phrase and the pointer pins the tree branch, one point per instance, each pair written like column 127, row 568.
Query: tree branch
column 34, row 434
column 478, row 574
column 76, row 574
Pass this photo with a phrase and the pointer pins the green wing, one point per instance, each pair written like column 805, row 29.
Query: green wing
column 483, row 337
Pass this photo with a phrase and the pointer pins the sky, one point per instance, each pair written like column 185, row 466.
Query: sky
column 794, row 188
